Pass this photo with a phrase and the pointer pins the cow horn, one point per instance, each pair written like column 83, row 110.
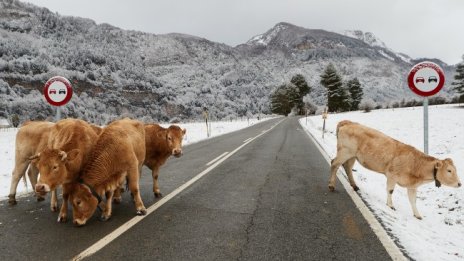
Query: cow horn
column 63, row 155
column 36, row 156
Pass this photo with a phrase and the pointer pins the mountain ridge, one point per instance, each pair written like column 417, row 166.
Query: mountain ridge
column 174, row 75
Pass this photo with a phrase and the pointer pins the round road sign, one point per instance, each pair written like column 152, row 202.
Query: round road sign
column 58, row 91
column 426, row 79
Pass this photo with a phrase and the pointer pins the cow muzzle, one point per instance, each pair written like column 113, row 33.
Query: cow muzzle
column 79, row 222
column 177, row 153
column 42, row 189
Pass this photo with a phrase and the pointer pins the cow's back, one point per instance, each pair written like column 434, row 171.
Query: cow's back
column 114, row 151
column 32, row 137
column 70, row 134
column 134, row 132
column 373, row 149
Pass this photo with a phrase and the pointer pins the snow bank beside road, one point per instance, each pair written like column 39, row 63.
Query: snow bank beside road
column 440, row 235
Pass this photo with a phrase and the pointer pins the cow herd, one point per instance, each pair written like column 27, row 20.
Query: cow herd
column 90, row 162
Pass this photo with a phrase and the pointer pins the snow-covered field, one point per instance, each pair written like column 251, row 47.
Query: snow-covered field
column 195, row 132
column 440, row 235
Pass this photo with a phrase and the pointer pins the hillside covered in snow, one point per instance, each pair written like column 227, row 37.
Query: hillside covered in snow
column 163, row 77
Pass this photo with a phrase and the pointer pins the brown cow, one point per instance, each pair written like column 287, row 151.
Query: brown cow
column 400, row 163
column 161, row 143
column 118, row 154
column 31, row 138
column 68, row 149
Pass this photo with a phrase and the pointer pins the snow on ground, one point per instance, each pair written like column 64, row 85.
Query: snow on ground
column 440, row 235
column 195, row 133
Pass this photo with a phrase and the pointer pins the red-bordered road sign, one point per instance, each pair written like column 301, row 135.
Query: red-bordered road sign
column 426, row 79
column 58, row 91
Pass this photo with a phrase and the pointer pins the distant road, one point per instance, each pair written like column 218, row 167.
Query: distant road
column 263, row 196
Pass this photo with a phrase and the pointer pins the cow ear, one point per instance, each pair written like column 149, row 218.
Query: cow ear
column 35, row 157
column 72, row 154
column 439, row 164
column 450, row 161
column 87, row 191
column 184, row 131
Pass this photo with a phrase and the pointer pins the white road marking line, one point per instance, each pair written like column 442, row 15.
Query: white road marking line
column 126, row 226
column 217, row 158
column 390, row 246
column 247, row 140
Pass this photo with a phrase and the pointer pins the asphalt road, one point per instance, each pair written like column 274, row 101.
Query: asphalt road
column 268, row 201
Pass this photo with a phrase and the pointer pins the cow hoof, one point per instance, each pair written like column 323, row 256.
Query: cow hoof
column 12, row 200
column 117, row 200
column 105, row 218
column 331, row 188
column 418, row 217
column 356, row 188
column 54, row 208
column 141, row 212
column 158, row 195
column 40, row 198
column 62, row 219
column 392, row 207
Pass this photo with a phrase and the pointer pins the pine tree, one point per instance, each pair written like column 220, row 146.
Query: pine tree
column 336, row 94
column 284, row 99
column 356, row 93
column 303, row 88
column 458, row 82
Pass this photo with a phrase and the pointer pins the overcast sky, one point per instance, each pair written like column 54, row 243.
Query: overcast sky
column 418, row 28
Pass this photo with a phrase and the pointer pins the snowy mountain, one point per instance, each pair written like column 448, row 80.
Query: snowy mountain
column 162, row 77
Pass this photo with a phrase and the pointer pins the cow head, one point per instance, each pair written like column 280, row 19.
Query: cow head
column 174, row 136
column 446, row 173
column 54, row 166
column 83, row 203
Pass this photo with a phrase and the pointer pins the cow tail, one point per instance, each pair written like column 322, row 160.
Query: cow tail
column 341, row 124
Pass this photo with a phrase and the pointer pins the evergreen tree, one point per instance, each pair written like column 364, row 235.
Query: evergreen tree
column 356, row 93
column 15, row 120
column 458, row 82
column 303, row 88
column 336, row 94
column 284, row 99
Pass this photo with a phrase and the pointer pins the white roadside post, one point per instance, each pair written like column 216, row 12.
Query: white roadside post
column 324, row 117
column 205, row 115
column 58, row 92
column 426, row 79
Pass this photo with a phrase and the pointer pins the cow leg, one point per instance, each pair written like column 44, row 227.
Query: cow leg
column 117, row 198
column 412, row 201
column 18, row 172
column 108, row 205
column 335, row 164
column 33, row 174
column 63, row 216
column 348, row 166
column 53, row 202
column 154, row 174
column 133, row 176
column 390, row 187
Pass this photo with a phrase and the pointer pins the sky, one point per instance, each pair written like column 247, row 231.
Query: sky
column 418, row 28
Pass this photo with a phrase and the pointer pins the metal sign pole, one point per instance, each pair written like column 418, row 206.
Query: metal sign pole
column 58, row 114
column 426, row 125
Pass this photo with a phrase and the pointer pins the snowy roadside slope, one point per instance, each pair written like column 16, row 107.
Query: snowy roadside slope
column 440, row 235
column 195, row 132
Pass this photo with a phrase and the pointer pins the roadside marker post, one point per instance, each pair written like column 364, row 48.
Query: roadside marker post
column 426, row 79
column 324, row 117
